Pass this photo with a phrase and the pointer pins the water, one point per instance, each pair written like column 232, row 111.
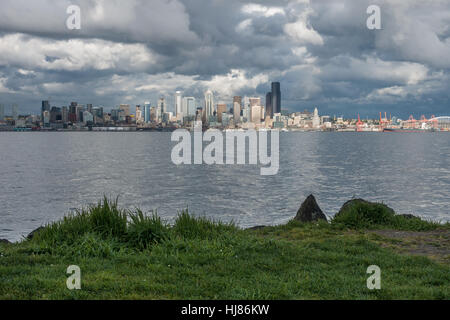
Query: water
column 45, row 175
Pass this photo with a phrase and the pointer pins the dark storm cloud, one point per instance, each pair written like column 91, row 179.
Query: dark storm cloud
column 321, row 51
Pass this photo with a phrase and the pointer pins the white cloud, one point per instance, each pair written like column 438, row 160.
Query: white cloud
column 254, row 8
column 73, row 55
column 301, row 32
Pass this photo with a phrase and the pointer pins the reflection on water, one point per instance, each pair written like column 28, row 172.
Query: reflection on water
column 44, row 175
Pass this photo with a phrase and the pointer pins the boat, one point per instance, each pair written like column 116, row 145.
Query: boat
column 403, row 130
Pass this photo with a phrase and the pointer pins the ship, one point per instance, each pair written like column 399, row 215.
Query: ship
column 403, row 130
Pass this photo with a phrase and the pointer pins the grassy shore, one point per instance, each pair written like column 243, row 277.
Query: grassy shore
column 130, row 255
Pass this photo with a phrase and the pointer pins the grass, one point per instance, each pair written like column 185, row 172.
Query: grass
column 131, row 255
column 360, row 214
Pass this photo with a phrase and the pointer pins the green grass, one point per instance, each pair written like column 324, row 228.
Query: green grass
column 130, row 255
column 366, row 215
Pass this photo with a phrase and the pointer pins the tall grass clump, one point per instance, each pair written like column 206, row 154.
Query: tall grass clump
column 144, row 231
column 108, row 219
column 191, row 227
column 104, row 219
column 368, row 215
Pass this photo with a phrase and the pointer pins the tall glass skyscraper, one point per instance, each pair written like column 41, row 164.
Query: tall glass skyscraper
column 147, row 112
column 209, row 104
column 276, row 97
column 2, row 112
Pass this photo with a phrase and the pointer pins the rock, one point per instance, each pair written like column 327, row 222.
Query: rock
column 310, row 211
column 353, row 202
column 33, row 233
column 4, row 241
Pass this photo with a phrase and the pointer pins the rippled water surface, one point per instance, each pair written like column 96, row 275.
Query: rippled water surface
column 45, row 175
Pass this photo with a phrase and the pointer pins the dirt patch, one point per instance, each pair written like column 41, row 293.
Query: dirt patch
column 433, row 244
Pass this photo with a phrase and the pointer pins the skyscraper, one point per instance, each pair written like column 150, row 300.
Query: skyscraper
column 269, row 109
column 178, row 104
column 276, row 97
column 147, row 106
column 236, row 111
column 209, row 104
column 45, row 107
column 255, row 102
column 2, row 112
column 162, row 105
column 139, row 118
column 125, row 109
column 189, row 107
column 221, row 108
column 15, row 112
column 237, row 99
column 64, row 114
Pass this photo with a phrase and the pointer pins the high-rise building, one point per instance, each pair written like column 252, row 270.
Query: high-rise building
column 178, row 104
column 125, row 109
column 236, row 112
column 237, row 99
column 45, row 107
column 221, row 108
column 64, row 114
column 88, row 118
column 2, row 112
column 256, row 114
column 139, row 118
column 55, row 115
column 189, row 106
column 276, row 97
column 209, row 105
column 316, row 119
column 269, row 109
column 147, row 107
column 255, row 102
column 15, row 112
column 162, row 105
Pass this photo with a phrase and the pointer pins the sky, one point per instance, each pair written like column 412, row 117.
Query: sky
column 129, row 52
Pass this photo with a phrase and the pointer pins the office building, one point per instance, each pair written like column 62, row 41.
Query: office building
column 269, row 109
column 178, row 104
column 276, row 97
column 15, row 112
column 146, row 116
column 64, row 114
column 209, row 105
column 2, row 112
column 236, row 112
column 125, row 110
column 189, row 106
column 221, row 109
column 45, row 107
column 139, row 118
column 162, row 105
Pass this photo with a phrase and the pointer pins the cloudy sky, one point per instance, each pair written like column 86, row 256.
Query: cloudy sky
column 320, row 50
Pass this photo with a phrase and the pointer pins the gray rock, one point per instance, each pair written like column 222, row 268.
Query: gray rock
column 34, row 232
column 310, row 211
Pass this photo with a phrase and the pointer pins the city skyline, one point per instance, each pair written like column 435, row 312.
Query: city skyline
column 324, row 55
